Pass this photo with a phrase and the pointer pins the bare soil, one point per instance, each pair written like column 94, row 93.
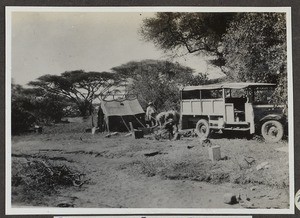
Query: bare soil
column 147, row 173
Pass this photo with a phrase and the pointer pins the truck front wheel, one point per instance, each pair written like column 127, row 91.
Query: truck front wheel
column 202, row 128
column 272, row 131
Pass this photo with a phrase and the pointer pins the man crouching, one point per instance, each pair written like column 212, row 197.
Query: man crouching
column 169, row 127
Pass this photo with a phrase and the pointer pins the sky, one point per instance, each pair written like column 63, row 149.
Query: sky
column 55, row 42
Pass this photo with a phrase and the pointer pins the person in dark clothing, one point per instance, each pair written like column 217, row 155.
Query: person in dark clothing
column 169, row 127
column 101, row 120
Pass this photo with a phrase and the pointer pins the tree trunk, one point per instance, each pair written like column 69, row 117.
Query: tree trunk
column 84, row 108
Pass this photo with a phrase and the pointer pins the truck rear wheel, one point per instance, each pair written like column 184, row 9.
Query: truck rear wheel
column 202, row 128
column 272, row 131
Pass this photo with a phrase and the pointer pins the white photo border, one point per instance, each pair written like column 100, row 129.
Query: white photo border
column 131, row 211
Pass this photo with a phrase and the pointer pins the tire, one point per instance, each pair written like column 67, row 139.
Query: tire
column 202, row 128
column 272, row 131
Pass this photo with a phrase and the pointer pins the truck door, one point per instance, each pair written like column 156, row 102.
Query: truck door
column 249, row 116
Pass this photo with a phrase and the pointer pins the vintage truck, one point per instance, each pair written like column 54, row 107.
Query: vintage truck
column 233, row 107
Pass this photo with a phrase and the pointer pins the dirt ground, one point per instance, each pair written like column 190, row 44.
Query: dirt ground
column 146, row 173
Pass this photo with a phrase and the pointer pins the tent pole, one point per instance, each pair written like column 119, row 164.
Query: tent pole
column 125, row 124
column 107, row 124
column 139, row 121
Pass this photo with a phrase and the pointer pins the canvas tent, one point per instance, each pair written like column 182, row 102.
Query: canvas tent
column 118, row 114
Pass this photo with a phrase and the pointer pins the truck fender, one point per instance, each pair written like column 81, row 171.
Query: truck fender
column 277, row 117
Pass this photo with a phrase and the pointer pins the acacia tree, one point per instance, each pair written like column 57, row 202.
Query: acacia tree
column 195, row 32
column 78, row 86
column 157, row 81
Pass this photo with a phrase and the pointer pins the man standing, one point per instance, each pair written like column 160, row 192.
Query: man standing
column 150, row 114
column 101, row 123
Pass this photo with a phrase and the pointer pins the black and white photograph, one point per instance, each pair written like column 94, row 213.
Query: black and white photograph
column 157, row 109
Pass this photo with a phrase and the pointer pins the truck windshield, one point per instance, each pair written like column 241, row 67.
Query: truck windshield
column 263, row 95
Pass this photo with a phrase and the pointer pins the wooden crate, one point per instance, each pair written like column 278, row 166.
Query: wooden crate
column 137, row 134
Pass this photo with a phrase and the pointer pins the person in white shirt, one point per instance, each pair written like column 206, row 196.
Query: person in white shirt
column 150, row 114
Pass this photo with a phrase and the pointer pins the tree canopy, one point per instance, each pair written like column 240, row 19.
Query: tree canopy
column 78, row 86
column 195, row 32
column 35, row 106
column 157, row 81
column 255, row 47
column 246, row 46
column 255, row 50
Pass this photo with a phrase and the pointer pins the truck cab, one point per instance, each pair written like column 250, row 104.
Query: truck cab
column 233, row 107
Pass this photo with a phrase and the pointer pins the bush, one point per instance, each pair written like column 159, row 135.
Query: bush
column 35, row 177
column 21, row 120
